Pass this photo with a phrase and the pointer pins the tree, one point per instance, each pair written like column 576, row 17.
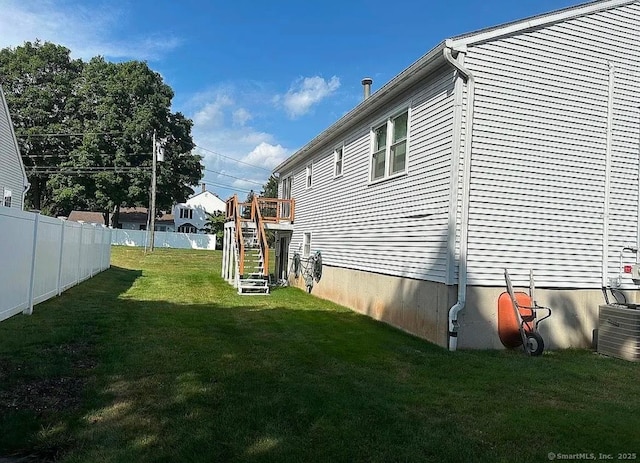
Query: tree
column 39, row 81
column 128, row 102
column 116, row 107
column 270, row 189
column 215, row 225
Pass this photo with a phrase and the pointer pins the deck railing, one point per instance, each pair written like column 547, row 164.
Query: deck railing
column 272, row 210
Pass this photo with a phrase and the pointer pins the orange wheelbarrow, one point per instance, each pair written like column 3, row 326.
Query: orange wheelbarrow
column 518, row 318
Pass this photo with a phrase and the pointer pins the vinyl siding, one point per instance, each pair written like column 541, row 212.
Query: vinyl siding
column 394, row 227
column 537, row 185
column 11, row 172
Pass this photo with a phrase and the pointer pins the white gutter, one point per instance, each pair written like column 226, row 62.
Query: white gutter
column 464, row 232
column 607, row 180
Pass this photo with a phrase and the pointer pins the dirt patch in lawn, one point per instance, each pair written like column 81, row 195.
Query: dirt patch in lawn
column 48, row 394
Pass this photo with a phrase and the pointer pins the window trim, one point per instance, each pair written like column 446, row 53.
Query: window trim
column 7, row 197
column 304, row 244
column 308, row 178
column 340, row 149
column 387, row 121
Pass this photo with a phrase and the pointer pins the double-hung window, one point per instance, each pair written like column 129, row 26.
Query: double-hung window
column 306, row 244
column 7, row 198
column 389, row 155
column 338, row 156
column 309, row 175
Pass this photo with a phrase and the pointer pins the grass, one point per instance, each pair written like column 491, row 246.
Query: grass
column 158, row 359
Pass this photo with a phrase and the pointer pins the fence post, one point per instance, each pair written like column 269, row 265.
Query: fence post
column 80, row 254
column 60, row 258
column 36, row 222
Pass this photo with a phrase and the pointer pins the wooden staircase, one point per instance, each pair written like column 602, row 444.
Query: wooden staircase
column 254, row 280
column 245, row 251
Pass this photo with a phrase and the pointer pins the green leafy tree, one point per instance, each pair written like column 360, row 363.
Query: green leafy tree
column 39, row 81
column 270, row 189
column 128, row 102
column 116, row 107
column 215, row 225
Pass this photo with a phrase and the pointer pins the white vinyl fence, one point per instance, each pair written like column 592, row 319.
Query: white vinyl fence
column 43, row 256
column 140, row 238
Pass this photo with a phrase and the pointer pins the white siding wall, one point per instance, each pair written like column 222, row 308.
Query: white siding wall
column 539, row 150
column 11, row 173
column 396, row 227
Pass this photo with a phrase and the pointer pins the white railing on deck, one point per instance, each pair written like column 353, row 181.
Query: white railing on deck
column 43, row 256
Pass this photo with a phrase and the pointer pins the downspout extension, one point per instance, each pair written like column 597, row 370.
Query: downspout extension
column 462, row 267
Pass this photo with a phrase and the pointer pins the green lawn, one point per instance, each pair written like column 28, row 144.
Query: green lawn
column 158, row 359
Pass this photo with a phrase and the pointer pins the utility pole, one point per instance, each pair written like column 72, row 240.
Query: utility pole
column 152, row 212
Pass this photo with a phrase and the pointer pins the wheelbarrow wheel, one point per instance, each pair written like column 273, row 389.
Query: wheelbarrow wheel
column 535, row 344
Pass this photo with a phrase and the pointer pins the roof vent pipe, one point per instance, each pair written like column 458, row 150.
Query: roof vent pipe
column 204, row 187
column 366, row 84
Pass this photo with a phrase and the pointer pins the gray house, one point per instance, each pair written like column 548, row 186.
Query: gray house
column 512, row 147
column 13, row 179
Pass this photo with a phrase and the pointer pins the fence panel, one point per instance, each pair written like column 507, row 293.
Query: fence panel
column 43, row 256
column 16, row 249
column 45, row 284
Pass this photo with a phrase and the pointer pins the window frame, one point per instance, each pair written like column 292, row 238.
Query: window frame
column 306, row 244
column 388, row 123
column 338, row 151
column 6, row 197
column 308, row 183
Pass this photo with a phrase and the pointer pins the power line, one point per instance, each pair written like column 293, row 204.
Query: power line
column 237, row 178
column 37, row 156
column 60, row 134
column 222, row 185
column 233, row 159
column 85, row 170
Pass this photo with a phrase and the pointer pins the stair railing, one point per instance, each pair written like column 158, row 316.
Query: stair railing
column 262, row 236
column 235, row 214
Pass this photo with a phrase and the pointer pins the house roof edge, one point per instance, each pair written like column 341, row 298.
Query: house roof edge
column 394, row 87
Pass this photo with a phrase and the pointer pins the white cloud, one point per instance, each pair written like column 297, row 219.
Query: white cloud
column 267, row 155
column 225, row 120
column 241, row 116
column 86, row 30
column 306, row 92
column 212, row 114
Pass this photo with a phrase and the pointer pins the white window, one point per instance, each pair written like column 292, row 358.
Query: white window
column 187, row 228
column 309, row 175
column 306, row 244
column 7, row 198
column 389, row 147
column 186, row 213
column 338, row 156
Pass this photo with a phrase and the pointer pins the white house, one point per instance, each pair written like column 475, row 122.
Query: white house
column 191, row 216
column 512, row 147
column 13, row 179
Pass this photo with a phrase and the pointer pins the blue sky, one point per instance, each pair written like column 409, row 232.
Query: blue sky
column 259, row 79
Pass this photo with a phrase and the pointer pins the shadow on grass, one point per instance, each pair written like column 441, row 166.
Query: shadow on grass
column 301, row 381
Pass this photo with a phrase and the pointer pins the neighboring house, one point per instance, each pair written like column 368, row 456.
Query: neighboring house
column 136, row 218
column 131, row 218
column 191, row 216
column 512, row 147
column 13, row 179
column 87, row 217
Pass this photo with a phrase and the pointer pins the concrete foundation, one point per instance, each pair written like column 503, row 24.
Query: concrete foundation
column 421, row 308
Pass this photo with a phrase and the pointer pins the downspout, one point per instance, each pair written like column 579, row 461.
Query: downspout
column 462, row 267
column 607, row 181
column 638, row 216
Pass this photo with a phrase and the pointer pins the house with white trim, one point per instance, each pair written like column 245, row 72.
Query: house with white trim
column 13, row 179
column 511, row 147
column 191, row 216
